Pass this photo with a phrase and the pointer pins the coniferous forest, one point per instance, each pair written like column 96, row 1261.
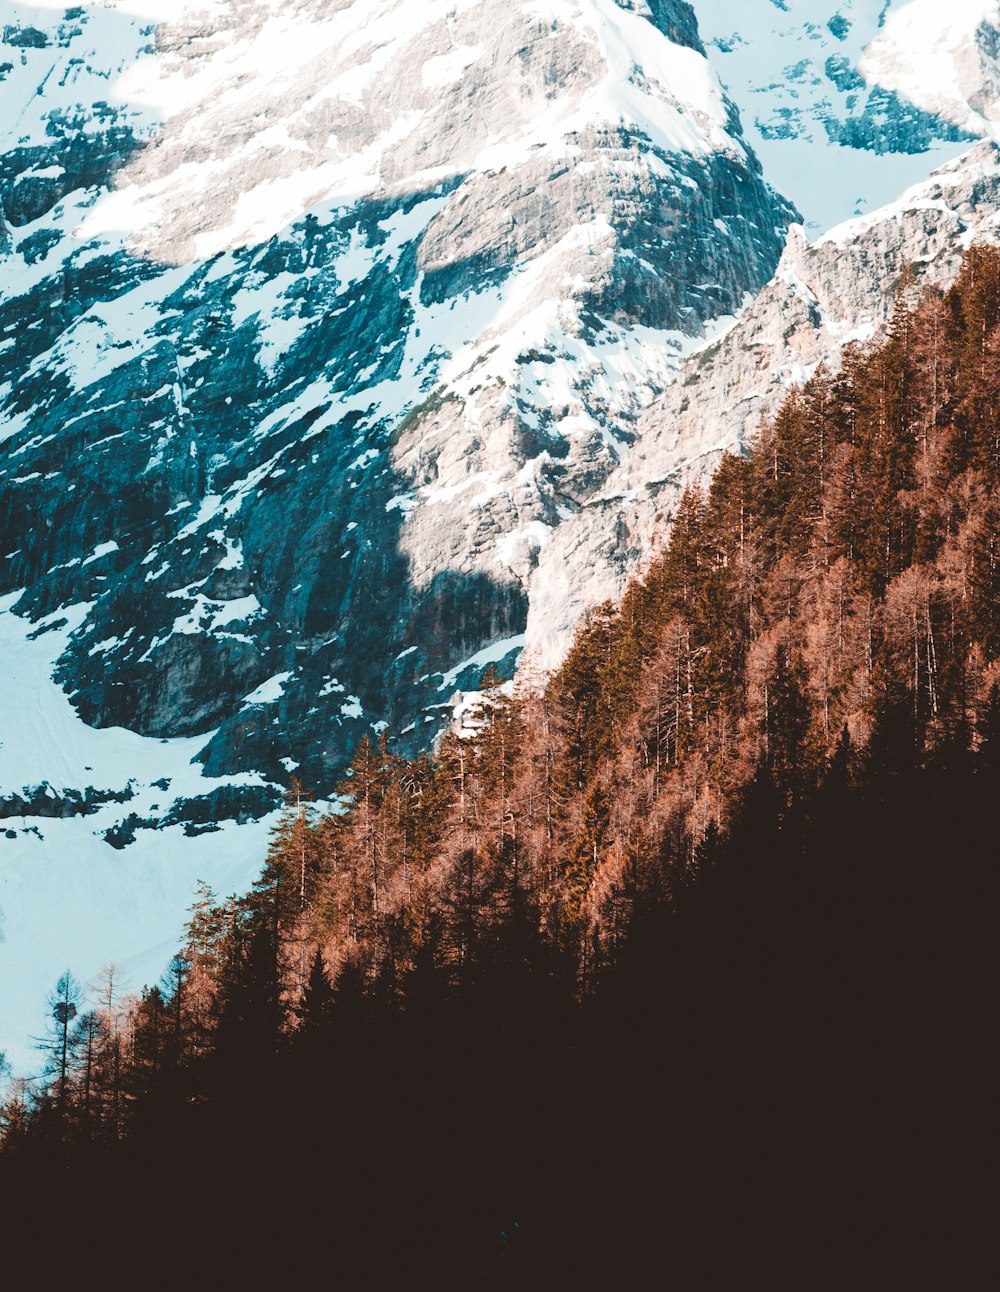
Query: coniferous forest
column 677, row 972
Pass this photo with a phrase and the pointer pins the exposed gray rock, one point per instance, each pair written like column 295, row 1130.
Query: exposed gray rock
column 824, row 295
column 297, row 450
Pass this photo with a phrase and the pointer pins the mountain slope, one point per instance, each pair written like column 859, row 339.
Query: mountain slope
column 704, row 932
column 336, row 351
column 838, row 290
column 316, row 442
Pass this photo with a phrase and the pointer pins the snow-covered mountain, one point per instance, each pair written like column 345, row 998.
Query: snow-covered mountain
column 337, row 351
column 849, row 103
column 372, row 306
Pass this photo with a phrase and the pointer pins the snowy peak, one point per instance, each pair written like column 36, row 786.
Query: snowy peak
column 266, row 110
column 415, row 270
column 943, row 58
column 847, row 103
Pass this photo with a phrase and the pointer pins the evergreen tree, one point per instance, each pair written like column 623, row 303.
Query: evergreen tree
column 64, row 1004
column 316, row 1004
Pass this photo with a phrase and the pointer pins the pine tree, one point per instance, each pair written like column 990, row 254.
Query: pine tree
column 316, row 1004
column 64, row 1003
column 174, row 986
column 89, row 1042
column 786, row 724
column 251, row 1014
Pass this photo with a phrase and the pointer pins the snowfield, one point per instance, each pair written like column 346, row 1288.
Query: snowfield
column 802, row 71
column 68, row 899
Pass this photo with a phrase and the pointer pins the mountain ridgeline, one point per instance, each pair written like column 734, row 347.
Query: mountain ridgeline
column 684, row 959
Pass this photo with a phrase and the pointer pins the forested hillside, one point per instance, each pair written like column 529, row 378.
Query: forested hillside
column 686, row 959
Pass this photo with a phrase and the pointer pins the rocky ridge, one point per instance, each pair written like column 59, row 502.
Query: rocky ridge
column 824, row 295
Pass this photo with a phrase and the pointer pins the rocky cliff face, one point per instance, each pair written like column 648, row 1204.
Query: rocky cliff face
column 839, row 289
column 296, row 450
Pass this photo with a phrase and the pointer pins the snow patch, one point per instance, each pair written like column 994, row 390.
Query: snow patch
column 491, row 654
column 67, row 898
column 268, row 692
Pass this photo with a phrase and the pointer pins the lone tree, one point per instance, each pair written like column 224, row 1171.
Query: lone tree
column 64, row 1002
